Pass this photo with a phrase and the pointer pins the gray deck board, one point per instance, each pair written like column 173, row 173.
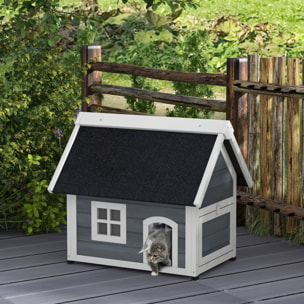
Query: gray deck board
column 269, row 290
column 34, row 270
column 255, row 277
column 44, row 271
column 161, row 293
column 290, row 299
column 33, row 260
column 215, row 298
column 84, row 286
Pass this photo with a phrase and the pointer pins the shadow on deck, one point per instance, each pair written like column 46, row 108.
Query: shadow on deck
column 33, row 270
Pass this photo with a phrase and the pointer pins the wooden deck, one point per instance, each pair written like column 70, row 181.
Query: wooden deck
column 33, row 270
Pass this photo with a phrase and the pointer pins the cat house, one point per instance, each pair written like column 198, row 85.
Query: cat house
column 123, row 174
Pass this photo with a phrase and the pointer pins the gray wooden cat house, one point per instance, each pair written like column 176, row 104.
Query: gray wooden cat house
column 124, row 173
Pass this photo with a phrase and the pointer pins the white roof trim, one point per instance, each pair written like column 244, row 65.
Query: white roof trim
column 63, row 158
column 156, row 123
column 209, row 170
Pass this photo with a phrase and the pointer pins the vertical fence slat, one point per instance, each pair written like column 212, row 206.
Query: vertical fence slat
column 253, row 136
column 278, row 143
column 266, row 102
column 266, row 112
column 254, row 124
column 293, row 143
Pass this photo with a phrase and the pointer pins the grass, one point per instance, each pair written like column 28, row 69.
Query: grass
column 289, row 15
column 285, row 13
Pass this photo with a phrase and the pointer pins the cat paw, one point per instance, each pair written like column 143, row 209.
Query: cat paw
column 153, row 273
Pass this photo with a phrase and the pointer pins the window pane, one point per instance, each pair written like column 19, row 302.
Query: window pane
column 102, row 214
column 115, row 215
column 102, row 228
column 115, row 230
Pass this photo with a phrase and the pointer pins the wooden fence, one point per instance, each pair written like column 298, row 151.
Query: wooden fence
column 263, row 102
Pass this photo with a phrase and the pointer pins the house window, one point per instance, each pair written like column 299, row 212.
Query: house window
column 108, row 222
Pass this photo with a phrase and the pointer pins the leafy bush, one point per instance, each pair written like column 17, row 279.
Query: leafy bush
column 39, row 94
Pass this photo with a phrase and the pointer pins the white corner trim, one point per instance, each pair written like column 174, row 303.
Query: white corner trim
column 191, row 241
column 209, row 170
column 71, row 227
column 156, row 123
column 63, row 158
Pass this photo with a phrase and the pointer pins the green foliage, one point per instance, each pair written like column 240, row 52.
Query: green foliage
column 191, row 57
column 298, row 236
column 39, row 93
column 141, row 105
column 259, row 227
column 156, row 42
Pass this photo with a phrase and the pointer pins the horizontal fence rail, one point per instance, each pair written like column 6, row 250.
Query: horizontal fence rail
column 187, row 77
column 186, row 101
column 105, row 109
column 268, row 89
column 271, row 205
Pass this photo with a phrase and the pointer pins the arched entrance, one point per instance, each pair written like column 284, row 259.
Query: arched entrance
column 156, row 220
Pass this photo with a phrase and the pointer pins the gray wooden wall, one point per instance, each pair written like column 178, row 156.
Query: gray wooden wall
column 221, row 183
column 136, row 213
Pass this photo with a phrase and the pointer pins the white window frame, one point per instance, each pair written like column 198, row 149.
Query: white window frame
column 122, row 238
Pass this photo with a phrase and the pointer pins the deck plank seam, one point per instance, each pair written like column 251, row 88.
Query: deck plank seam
column 280, row 297
column 49, row 277
column 127, row 291
column 249, row 270
column 29, row 255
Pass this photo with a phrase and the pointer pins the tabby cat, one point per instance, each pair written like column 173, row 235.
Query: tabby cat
column 157, row 247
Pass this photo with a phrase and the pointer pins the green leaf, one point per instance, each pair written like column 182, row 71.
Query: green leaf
column 29, row 230
column 76, row 21
column 36, row 213
column 153, row 36
column 51, row 42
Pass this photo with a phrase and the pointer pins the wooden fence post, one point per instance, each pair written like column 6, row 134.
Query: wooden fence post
column 293, row 143
column 278, row 129
column 236, row 102
column 266, row 103
column 237, row 113
column 90, row 53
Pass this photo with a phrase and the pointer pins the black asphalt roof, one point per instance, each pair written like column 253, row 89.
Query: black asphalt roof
column 139, row 165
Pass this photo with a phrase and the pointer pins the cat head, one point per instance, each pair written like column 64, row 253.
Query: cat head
column 158, row 253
